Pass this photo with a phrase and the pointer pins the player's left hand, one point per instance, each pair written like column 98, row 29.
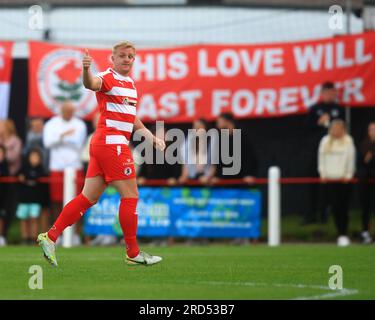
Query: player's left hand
column 159, row 144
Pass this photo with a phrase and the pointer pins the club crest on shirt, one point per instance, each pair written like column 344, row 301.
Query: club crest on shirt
column 128, row 171
column 126, row 101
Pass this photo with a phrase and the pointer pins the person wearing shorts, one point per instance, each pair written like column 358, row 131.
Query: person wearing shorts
column 31, row 193
column 111, row 161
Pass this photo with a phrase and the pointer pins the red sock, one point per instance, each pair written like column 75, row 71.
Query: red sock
column 129, row 221
column 70, row 214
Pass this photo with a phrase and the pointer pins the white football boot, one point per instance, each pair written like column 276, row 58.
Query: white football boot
column 143, row 258
column 48, row 247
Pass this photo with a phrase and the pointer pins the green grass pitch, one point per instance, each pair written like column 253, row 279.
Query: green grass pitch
column 195, row 272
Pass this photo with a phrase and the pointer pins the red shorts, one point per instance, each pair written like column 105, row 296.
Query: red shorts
column 57, row 185
column 112, row 161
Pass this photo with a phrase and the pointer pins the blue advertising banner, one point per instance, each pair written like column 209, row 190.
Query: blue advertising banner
column 182, row 212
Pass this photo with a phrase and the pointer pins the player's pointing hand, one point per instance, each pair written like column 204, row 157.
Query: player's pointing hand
column 86, row 61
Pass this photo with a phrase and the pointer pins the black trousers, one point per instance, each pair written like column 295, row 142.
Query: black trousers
column 11, row 206
column 366, row 194
column 337, row 195
column 316, row 209
column 310, row 215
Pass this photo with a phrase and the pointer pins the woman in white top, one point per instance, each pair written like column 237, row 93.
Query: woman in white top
column 336, row 165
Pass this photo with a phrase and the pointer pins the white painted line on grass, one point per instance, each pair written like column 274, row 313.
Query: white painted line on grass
column 330, row 295
column 334, row 294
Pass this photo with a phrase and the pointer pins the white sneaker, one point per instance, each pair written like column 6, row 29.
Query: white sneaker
column 366, row 238
column 3, row 241
column 343, row 241
column 143, row 258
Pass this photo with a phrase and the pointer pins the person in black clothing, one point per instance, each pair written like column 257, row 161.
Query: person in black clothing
column 319, row 117
column 366, row 171
column 32, row 194
column 248, row 160
column 325, row 111
column 34, row 140
column 4, row 172
column 196, row 154
column 159, row 171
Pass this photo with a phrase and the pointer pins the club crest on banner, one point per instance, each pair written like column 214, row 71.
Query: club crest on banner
column 60, row 78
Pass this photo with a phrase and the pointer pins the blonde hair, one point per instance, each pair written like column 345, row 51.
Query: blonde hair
column 123, row 44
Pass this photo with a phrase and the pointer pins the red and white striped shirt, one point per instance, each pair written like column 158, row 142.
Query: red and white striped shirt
column 117, row 100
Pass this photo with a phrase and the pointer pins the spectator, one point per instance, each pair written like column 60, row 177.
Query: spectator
column 34, row 139
column 249, row 162
column 326, row 110
column 320, row 117
column 13, row 145
column 31, row 195
column 337, row 163
column 197, row 157
column 248, row 159
column 366, row 170
column 64, row 136
column 159, row 171
column 4, row 172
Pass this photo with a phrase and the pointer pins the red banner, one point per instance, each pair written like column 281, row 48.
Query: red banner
column 185, row 83
column 5, row 76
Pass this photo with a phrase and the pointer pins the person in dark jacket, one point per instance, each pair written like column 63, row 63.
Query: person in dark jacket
column 248, row 161
column 366, row 171
column 325, row 111
column 34, row 138
column 196, row 154
column 241, row 155
column 4, row 172
column 31, row 195
column 159, row 171
column 319, row 118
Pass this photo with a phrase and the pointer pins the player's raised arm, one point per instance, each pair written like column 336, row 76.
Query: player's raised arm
column 89, row 81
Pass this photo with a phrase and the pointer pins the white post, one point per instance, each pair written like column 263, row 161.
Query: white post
column 274, row 205
column 69, row 194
